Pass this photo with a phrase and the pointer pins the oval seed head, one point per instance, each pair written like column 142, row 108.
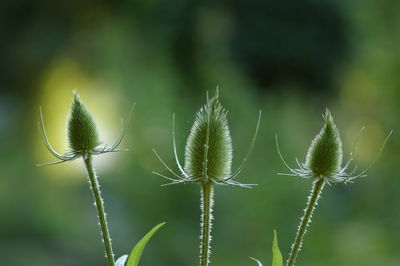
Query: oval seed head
column 208, row 151
column 82, row 131
column 325, row 155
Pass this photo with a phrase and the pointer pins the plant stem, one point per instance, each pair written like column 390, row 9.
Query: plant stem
column 306, row 220
column 207, row 202
column 101, row 214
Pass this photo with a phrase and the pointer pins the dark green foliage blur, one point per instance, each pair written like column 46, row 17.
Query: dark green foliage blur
column 291, row 59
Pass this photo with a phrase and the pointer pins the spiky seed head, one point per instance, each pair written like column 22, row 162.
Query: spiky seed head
column 325, row 155
column 208, row 151
column 82, row 131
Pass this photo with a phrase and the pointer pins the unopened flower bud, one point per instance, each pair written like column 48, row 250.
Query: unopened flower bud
column 325, row 155
column 208, row 152
column 82, row 131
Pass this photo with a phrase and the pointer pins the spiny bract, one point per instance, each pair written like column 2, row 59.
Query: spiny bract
column 325, row 155
column 208, row 151
column 82, row 131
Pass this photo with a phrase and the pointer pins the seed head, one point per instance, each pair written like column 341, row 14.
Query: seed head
column 208, row 151
column 83, row 138
column 325, row 155
column 82, row 131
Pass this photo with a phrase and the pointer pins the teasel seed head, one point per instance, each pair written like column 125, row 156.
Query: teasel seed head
column 325, row 154
column 208, row 151
column 83, row 138
column 82, row 132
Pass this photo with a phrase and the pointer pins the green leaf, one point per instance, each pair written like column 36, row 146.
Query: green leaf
column 256, row 260
column 134, row 258
column 276, row 253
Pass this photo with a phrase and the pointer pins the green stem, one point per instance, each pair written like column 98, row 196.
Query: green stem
column 101, row 214
column 305, row 220
column 207, row 202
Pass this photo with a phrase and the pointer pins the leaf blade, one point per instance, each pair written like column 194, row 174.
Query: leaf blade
column 134, row 257
column 276, row 253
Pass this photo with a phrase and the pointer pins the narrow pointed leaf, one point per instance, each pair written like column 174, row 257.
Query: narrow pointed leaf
column 276, row 253
column 134, row 257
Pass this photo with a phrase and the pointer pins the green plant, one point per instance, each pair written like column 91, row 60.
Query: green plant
column 84, row 143
column 323, row 165
column 208, row 161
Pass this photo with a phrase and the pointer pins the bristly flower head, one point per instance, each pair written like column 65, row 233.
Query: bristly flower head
column 82, row 131
column 208, row 151
column 82, row 134
column 325, row 155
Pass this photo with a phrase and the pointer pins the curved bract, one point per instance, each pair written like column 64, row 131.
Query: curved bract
column 208, row 152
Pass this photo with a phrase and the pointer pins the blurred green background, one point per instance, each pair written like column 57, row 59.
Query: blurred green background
column 291, row 59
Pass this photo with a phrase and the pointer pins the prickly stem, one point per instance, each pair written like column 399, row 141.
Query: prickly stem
column 207, row 202
column 306, row 220
column 101, row 214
